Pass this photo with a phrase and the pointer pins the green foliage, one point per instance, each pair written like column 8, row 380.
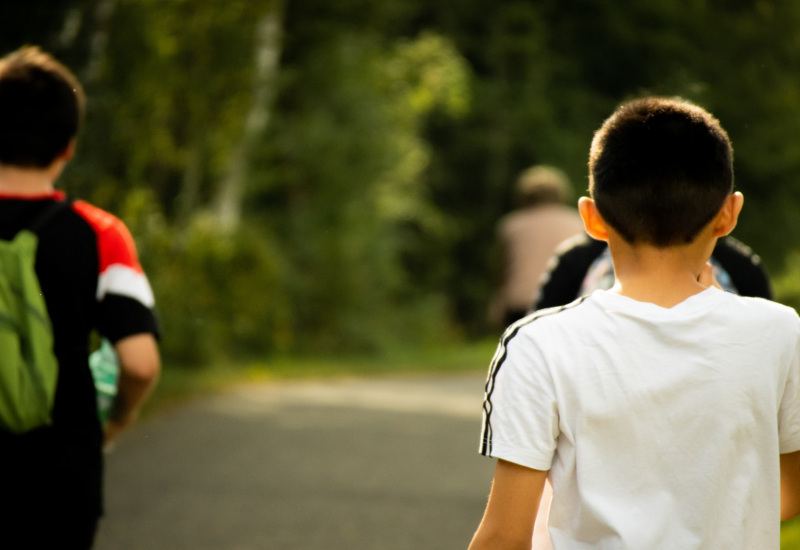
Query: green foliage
column 790, row 535
column 787, row 285
column 219, row 295
column 174, row 89
column 336, row 184
column 350, row 165
column 395, row 132
column 548, row 73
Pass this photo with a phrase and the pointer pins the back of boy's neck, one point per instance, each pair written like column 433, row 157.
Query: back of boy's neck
column 663, row 278
column 666, row 295
column 26, row 181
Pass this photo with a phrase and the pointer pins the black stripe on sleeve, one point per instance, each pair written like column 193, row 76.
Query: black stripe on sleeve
column 497, row 362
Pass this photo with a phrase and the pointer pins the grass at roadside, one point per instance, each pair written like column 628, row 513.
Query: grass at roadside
column 790, row 535
column 178, row 384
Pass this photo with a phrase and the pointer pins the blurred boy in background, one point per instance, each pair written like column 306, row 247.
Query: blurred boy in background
column 91, row 279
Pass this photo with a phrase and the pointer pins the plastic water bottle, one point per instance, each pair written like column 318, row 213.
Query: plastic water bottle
column 105, row 371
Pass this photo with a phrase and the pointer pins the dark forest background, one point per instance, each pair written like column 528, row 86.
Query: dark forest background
column 315, row 176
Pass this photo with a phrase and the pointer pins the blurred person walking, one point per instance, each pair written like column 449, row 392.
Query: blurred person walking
column 529, row 236
column 90, row 278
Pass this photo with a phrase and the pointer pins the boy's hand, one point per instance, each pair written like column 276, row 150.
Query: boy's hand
column 706, row 277
column 111, row 430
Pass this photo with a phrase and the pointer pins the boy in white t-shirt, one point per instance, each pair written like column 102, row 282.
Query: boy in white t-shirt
column 665, row 412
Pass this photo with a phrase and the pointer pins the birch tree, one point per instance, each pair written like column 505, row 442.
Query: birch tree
column 266, row 55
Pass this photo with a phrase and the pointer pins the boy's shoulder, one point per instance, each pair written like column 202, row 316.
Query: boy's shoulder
column 753, row 308
column 574, row 313
column 113, row 236
column 590, row 314
column 766, row 313
column 100, row 220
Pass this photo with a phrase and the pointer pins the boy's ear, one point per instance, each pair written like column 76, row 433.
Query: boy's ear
column 728, row 215
column 592, row 220
column 69, row 151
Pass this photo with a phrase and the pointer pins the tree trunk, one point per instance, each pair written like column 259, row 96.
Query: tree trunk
column 70, row 28
column 267, row 52
column 99, row 40
column 188, row 197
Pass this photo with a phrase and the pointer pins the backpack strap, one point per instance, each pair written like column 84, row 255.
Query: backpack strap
column 49, row 211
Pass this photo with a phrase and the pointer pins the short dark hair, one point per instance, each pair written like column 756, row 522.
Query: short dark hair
column 41, row 107
column 660, row 170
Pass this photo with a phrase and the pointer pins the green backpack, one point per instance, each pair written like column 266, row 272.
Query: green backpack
column 28, row 365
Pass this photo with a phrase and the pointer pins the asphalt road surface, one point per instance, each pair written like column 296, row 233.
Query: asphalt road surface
column 376, row 464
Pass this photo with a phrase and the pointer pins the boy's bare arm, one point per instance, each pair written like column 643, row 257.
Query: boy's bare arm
column 790, row 485
column 511, row 512
column 139, row 366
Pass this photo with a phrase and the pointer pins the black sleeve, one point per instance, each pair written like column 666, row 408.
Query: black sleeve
column 744, row 267
column 120, row 316
column 562, row 281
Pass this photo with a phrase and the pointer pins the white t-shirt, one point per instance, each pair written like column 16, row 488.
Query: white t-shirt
column 661, row 428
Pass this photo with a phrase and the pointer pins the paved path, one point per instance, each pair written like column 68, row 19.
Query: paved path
column 379, row 464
